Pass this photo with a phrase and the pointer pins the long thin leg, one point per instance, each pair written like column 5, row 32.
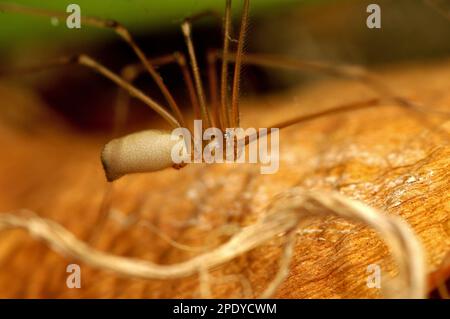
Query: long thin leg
column 121, row 107
column 181, row 60
column 132, row 90
column 118, row 29
column 345, row 71
column 186, row 28
column 213, row 89
column 351, row 72
column 225, row 109
column 132, row 71
column 221, row 117
column 237, row 65
column 370, row 103
column 126, row 87
column 89, row 62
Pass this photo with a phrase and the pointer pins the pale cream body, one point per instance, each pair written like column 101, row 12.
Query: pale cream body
column 140, row 152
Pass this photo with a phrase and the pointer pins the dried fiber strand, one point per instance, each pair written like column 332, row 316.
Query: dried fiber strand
column 289, row 210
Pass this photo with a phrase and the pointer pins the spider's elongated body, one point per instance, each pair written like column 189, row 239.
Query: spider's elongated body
column 136, row 153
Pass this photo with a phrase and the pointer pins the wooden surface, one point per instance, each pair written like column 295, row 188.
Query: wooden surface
column 390, row 158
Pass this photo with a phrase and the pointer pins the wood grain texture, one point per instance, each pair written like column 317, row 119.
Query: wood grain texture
column 390, row 158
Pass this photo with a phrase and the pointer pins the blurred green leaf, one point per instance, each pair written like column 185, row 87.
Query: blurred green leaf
column 138, row 15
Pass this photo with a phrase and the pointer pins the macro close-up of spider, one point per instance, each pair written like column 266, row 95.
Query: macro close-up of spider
column 226, row 149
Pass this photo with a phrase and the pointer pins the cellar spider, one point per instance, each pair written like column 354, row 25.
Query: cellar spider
column 150, row 150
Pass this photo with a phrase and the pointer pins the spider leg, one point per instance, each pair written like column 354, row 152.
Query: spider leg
column 87, row 61
column 119, row 29
column 131, row 72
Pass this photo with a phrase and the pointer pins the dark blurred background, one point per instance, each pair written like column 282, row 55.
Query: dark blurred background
column 333, row 31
